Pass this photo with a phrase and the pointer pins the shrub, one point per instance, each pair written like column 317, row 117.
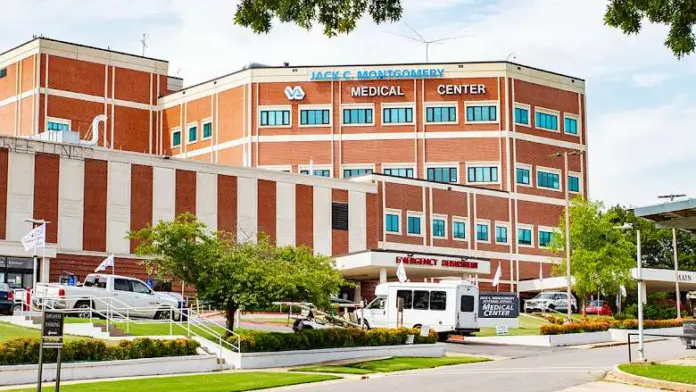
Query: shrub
column 258, row 341
column 595, row 326
column 26, row 350
column 653, row 311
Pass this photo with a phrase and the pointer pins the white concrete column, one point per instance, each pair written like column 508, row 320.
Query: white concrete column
column 45, row 269
column 382, row 275
column 358, row 294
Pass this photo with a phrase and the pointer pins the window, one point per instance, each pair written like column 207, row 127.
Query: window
column 357, row 116
column 176, row 138
column 192, row 133
column 545, row 238
column 95, row 281
column 421, row 299
column 318, row 172
column 573, row 184
column 442, row 174
column 140, row 288
column 397, row 115
column 501, row 236
column 3, row 72
column 315, row 117
column 58, row 125
column 467, row 303
column 391, row 223
column 378, row 303
column 483, row 113
column 482, row 174
column 444, row 114
column 271, row 118
column 339, row 216
column 348, row 173
column 546, row 121
column 122, row 285
column 414, row 225
column 522, row 116
column 482, row 232
column 524, row 236
column 399, row 172
column 438, row 300
column 523, row 176
column 406, row 296
column 439, row 228
column 459, row 230
column 207, row 130
column 548, row 180
column 570, row 126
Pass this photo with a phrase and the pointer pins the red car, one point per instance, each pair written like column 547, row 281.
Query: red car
column 600, row 308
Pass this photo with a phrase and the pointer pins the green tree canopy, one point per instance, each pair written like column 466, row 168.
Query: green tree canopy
column 679, row 15
column 336, row 16
column 601, row 255
column 232, row 275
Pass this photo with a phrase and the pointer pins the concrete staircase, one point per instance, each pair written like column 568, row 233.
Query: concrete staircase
column 227, row 359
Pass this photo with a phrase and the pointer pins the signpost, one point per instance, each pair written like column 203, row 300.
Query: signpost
column 51, row 337
column 498, row 305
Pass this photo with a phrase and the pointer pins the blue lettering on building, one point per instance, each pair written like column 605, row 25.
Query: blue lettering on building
column 424, row 73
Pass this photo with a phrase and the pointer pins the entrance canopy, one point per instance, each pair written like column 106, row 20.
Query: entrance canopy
column 369, row 264
column 662, row 280
column 558, row 283
column 674, row 215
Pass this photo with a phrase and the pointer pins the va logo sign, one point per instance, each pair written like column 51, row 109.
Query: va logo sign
column 294, row 93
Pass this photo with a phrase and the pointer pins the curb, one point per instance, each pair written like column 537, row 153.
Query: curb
column 650, row 382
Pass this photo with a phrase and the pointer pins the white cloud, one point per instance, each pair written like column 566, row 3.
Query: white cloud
column 650, row 79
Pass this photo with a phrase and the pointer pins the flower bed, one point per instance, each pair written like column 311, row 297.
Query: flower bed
column 587, row 325
column 26, row 350
column 257, row 341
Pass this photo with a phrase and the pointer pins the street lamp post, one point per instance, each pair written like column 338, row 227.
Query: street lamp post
column 639, row 279
column 565, row 155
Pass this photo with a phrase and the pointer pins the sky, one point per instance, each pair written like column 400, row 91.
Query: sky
column 641, row 100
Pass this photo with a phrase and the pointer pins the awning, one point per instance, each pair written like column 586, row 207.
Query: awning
column 663, row 280
column 676, row 214
column 557, row 283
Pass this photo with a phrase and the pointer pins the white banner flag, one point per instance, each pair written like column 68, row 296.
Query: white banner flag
column 36, row 238
column 623, row 291
column 497, row 276
column 401, row 273
column 108, row 262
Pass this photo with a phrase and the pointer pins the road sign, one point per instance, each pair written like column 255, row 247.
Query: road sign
column 52, row 329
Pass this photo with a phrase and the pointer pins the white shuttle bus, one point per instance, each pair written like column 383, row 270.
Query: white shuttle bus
column 446, row 307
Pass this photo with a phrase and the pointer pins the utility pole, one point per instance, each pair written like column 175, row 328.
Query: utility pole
column 671, row 198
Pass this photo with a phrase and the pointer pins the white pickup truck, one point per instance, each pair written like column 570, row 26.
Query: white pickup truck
column 121, row 294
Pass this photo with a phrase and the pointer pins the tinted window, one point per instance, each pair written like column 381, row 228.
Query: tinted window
column 139, row 287
column 467, row 303
column 122, row 285
column 438, row 300
column 407, row 296
column 421, row 299
column 339, row 216
column 4, row 287
column 377, row 304
column 95, row 281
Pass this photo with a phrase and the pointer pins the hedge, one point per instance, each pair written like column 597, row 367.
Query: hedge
column 587, row 325
column 257, row 341
column 26, row 350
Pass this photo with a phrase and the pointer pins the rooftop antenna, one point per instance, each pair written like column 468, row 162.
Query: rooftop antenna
column 511, row 56
column 144, row 42
column 671, row 196
column 419, row 38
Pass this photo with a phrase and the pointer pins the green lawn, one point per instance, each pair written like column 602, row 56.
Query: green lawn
column 220, row 382
column 149, row 328
column 676, row 373
column 529, row 325
column 10, row 331
column 391, row 365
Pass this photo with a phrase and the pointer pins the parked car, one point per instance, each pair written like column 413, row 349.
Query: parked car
column 6, row 299
column 598, row 307
column 130, row 296
column 550, row 301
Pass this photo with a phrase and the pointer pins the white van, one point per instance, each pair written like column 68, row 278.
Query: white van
column 449, row 306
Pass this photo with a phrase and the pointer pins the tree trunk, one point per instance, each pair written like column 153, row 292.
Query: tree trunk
column 230, row 313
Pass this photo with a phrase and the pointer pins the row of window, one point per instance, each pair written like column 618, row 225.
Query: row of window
column 547, row 179
column 546, row 120
column 192, row 133
column 414, row 227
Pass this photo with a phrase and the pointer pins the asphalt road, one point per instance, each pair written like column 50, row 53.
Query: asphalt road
column 529, row 370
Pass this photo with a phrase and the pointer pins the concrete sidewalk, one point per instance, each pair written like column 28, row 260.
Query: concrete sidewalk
column 604, row 386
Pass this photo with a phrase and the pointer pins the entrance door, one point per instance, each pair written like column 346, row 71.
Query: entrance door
column 467, row 308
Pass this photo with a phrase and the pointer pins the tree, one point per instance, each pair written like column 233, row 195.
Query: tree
column 656, row 243
column 679, row 15
column 236, row 276
column 601, row 255
column 336, row 16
